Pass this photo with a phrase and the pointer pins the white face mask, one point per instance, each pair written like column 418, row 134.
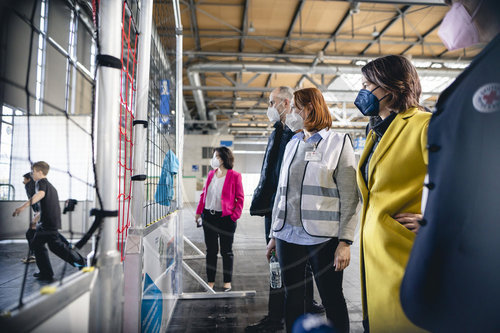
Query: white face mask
column 215, row 163
column 273, row 114
column 294, row 121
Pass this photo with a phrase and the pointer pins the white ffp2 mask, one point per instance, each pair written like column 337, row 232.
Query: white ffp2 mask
column 215, row 163
column 294, row 121
column 273, row 113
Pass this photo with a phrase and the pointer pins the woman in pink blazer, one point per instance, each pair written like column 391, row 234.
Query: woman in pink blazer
column 220, row 206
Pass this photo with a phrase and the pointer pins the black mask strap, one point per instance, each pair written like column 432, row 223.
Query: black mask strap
column 380, row 100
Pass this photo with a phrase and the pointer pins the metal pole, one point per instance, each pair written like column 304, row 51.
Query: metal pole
column 107, row 294
column 133, row 247
column 179, row 143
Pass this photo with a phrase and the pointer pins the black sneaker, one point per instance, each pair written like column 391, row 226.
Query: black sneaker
column 265, row 325
column 43, row 277
column 316, row 308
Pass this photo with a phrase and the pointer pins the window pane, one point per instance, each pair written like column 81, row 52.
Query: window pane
column 84, row 45
column 58, row 22
column 55, row 81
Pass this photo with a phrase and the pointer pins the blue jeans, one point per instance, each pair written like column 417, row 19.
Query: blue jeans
column 293, row 259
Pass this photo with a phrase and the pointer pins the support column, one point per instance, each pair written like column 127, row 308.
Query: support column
column 133, row 248
column 179, row 144
column 107, row 294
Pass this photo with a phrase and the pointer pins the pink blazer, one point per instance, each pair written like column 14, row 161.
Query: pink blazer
column 232, row 195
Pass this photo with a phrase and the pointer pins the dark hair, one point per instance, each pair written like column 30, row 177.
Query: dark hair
column 27, row 175
column 42, row 166
column 319, row 116
column 398, row 76
column 226, row 156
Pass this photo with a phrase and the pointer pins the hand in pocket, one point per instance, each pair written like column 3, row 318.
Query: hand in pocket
column 410, row 221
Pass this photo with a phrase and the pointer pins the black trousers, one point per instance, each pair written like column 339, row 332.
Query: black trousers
column 293, row 259
column 276, row 303
column 30, row 234
column 29, row 237
column 58, row 244
column 217, row 230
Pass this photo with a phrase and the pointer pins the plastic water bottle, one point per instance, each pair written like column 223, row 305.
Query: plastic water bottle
column 275, row 271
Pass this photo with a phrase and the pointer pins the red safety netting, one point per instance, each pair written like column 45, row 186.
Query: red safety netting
column 127, row 108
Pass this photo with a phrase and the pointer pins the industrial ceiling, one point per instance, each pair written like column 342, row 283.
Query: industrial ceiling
column 237, row 51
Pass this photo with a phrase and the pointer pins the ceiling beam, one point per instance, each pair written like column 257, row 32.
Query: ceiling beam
column 219, row 20
column 425, row 34
column 244, row 26
column 300, row 68
column 194, row 24
column 303, row 56
column 298, row 10
column 267, row 89
column 299, row 82
column 408, row 2
column 310, row 39
column 337, row 29
column 387, row 27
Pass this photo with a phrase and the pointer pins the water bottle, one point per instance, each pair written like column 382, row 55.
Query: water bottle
column 275, row 271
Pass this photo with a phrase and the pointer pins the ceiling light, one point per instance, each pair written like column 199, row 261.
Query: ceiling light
column 375, row 33
column 251, row 28
column 236, row 114
column 437, row 65
column 422, row 64
column 354, row 8
column 360, row 63
column 455, row 65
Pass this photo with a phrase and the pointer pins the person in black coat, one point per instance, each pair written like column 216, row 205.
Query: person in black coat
column 452, row 277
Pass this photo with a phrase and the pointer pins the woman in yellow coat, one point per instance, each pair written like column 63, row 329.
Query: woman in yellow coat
column 390, row 177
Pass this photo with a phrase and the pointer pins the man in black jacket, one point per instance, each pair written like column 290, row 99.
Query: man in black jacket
column 263, row 200
column 452, row 278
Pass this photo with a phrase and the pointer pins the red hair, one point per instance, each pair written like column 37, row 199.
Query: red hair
column 318, row 116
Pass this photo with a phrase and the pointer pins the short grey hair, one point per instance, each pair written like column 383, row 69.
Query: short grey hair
column 285, row 93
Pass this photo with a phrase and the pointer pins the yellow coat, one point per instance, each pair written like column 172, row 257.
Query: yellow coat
column 395, row 181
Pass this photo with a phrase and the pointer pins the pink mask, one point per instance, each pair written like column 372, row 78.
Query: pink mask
column 457, row 29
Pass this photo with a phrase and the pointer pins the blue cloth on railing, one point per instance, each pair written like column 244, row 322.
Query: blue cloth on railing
column 165, row 188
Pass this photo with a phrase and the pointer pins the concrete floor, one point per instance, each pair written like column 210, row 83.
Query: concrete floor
column 251, row 272
column 12, row 273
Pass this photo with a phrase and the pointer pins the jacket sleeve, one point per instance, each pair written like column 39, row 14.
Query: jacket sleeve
column 201, row 203
column 239, row 196
column 345, row 177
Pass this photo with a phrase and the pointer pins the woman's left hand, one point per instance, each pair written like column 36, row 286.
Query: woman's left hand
column 409, row 221
column 342, row 256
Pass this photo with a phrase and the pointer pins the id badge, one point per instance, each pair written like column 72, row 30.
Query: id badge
column 313, row 156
